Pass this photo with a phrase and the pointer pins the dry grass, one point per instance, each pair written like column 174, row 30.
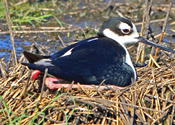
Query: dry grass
column 149, row 100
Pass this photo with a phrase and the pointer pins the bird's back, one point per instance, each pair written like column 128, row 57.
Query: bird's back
column 90, row 62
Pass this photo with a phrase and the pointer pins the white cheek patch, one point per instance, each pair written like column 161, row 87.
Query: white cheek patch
column 124, row 26
column 44, row 62
column 126, row 39
column 120, row 39
column 69, row 52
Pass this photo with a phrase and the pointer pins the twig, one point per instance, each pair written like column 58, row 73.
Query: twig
column 61, row 41
column 42, row 88
column 172, row 117
column 160, row 118
column 133, row 108
column 41, row 31
column 10, row 29
column 4, row 74
column 161, row 34
column 144, row 30
column 163, row 29
column 154, row 61
column 27, row 82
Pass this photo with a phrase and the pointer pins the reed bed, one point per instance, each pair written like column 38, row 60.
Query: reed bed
column 150, row 100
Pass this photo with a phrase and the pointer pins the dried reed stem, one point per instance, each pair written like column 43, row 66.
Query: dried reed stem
column 144, row 30
column 2, row 69
column 10, row 29
column 164, row 27
column 162, row 33
column 42, row 88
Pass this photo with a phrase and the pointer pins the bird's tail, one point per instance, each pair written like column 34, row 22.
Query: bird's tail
column 33, row 57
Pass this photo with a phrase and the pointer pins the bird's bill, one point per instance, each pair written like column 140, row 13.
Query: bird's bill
column 144, row 40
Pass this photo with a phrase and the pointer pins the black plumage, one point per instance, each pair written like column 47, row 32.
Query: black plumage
column 91, row 61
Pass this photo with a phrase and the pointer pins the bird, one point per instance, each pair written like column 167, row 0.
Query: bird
column 100, row 59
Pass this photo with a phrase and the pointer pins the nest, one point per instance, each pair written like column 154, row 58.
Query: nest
column 150, row 100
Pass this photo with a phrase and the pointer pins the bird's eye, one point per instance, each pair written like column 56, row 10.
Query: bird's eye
column 125, row 31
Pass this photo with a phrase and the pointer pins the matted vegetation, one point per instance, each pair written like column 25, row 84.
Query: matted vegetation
column 150, row 100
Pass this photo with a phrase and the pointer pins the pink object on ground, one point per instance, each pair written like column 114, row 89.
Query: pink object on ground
column 35, row 74
column 51, row 83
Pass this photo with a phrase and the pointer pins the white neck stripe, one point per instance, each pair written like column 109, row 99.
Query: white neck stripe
column 108, row 33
